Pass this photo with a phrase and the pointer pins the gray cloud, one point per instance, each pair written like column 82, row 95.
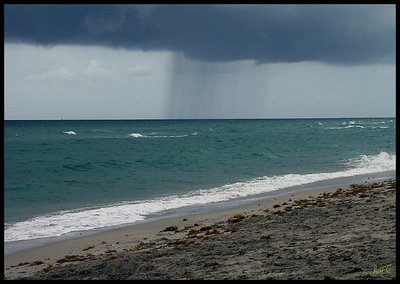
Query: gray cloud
column 336, row 34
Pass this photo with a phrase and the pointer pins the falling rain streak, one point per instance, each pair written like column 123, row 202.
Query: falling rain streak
column 214, row 90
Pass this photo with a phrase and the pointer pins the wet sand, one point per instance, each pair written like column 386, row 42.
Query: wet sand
column 330, row 233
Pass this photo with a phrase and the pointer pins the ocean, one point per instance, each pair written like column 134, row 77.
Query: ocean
column 63, row 177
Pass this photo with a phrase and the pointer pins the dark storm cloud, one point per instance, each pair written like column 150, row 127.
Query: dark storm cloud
column 338, row 34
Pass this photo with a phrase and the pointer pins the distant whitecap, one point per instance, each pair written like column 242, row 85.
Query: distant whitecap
column 346, row 127
column 69, row 132
column 136, row 135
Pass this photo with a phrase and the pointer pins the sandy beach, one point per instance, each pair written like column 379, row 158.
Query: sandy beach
column 331, row 233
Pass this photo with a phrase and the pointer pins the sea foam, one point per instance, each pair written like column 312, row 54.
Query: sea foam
column 69, row 132
column 129, row 212
column 136, row 135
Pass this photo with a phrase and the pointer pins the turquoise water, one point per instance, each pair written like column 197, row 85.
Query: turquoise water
column 54, row 169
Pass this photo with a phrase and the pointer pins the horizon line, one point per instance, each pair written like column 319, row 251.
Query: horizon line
column 154, row 119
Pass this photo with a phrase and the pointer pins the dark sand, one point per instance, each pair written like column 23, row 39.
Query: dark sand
column 346, row 233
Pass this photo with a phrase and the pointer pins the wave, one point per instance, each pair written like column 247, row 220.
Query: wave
column 138, row 135
column 350, row 122
column 368, row 123
column 69, row 132
column 357, row 126
column 347, row 126
column 129, row 212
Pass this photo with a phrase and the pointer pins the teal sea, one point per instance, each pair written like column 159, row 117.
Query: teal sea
column 68, row 176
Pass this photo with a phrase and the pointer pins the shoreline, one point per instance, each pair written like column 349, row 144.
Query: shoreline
column 121, row 240
column 242, row 202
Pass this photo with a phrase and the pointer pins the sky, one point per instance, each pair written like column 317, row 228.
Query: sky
column 198, row 61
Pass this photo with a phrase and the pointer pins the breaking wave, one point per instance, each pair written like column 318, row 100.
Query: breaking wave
column 64, row 222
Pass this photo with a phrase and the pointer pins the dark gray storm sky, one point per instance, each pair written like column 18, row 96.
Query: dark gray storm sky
column 343, row 34
column 201, row 49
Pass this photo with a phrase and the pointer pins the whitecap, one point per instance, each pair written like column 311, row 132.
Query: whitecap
column 137, row 135
column 69, row 132
column 347, row 126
